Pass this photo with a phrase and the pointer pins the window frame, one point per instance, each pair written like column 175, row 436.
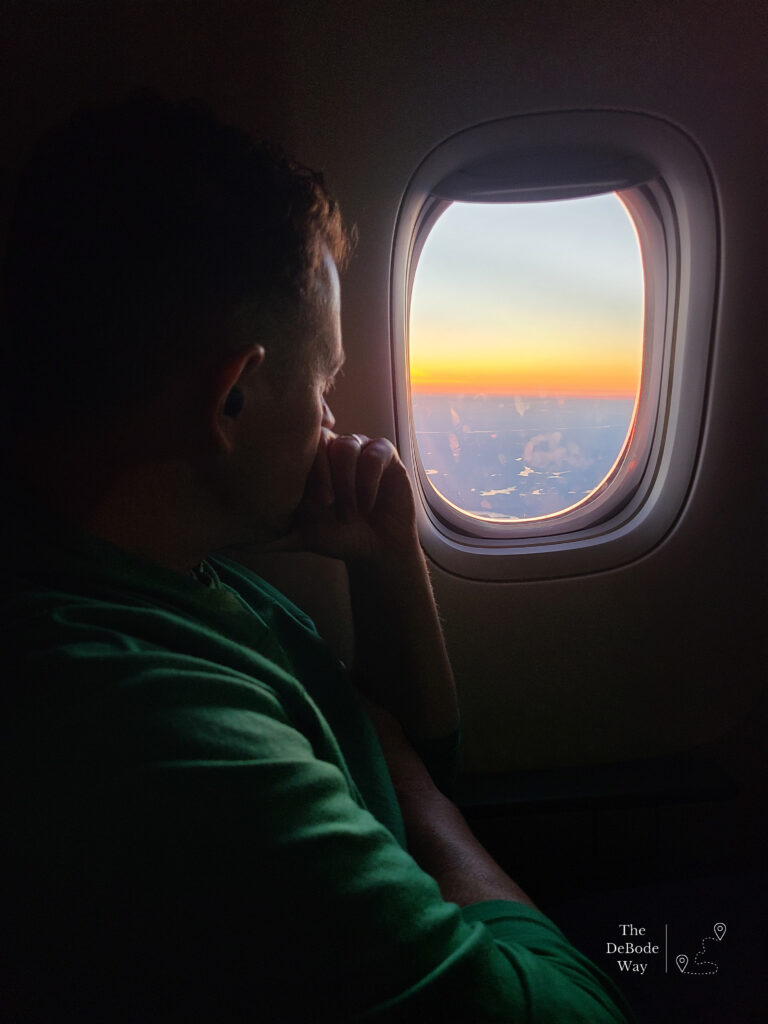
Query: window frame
column 664, row 180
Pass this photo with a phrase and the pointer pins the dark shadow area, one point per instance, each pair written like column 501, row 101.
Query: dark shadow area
column 730, row 991
column 653, row 853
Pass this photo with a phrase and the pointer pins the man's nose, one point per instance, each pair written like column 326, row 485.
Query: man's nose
column 329, row 420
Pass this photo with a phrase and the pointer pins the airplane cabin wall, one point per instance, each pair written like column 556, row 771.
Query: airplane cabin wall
column 650, row 658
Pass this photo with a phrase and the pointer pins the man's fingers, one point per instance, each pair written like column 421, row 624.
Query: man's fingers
column 343, row 456
column 347, row 473
column 357, row 495
column 374, row 461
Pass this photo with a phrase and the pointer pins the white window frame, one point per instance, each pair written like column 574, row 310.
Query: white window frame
column 664, row 180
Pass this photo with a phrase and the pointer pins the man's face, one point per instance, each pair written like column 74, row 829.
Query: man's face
column 284, row 428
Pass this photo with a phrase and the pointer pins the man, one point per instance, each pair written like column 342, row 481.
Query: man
column 201, row 821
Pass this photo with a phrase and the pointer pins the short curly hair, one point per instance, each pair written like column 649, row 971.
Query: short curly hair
column 137, row 229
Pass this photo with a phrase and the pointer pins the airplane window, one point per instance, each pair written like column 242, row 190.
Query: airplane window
column 526, row 350
column 554, row 283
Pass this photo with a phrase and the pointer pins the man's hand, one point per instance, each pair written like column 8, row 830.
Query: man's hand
column 358, row 504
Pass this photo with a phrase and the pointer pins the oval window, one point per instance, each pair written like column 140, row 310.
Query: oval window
column 525, row 353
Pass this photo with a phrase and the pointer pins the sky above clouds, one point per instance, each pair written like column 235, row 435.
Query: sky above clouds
column 529, row 298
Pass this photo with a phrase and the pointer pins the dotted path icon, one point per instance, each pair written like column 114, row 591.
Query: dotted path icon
column 701, row 965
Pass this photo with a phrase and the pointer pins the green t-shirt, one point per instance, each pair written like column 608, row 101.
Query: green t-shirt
column 201, row 825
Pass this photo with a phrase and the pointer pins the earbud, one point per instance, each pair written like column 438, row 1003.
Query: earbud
column 234, row 403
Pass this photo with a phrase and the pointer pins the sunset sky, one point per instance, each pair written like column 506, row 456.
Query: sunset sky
column 529, row 298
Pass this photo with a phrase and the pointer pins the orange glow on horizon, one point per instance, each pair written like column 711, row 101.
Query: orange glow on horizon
column 593, row 359
column 589, row 378
column 524, row 390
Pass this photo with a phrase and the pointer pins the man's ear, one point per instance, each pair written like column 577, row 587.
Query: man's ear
column 233, row 389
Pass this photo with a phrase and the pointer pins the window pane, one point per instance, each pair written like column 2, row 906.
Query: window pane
column 526, row 335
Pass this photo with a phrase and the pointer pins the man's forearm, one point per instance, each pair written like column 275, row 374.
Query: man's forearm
column 441, row 843
column 400, row 655
column 439, row 838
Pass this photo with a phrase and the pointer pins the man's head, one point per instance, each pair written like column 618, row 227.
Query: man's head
column 148, row 237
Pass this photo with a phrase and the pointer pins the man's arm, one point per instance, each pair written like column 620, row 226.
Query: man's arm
column 439, row 839
column 291, row 896
column 400, row 656
column 359, row 507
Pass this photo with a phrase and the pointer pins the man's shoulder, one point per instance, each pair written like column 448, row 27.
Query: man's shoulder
column 188, row 674
column 124, row 658
column 118, row 622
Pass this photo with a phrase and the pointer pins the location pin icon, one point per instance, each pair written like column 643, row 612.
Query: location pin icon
column 682, row 962
column 719, row 931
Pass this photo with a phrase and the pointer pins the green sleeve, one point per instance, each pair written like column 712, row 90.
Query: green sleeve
column 257, row 888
